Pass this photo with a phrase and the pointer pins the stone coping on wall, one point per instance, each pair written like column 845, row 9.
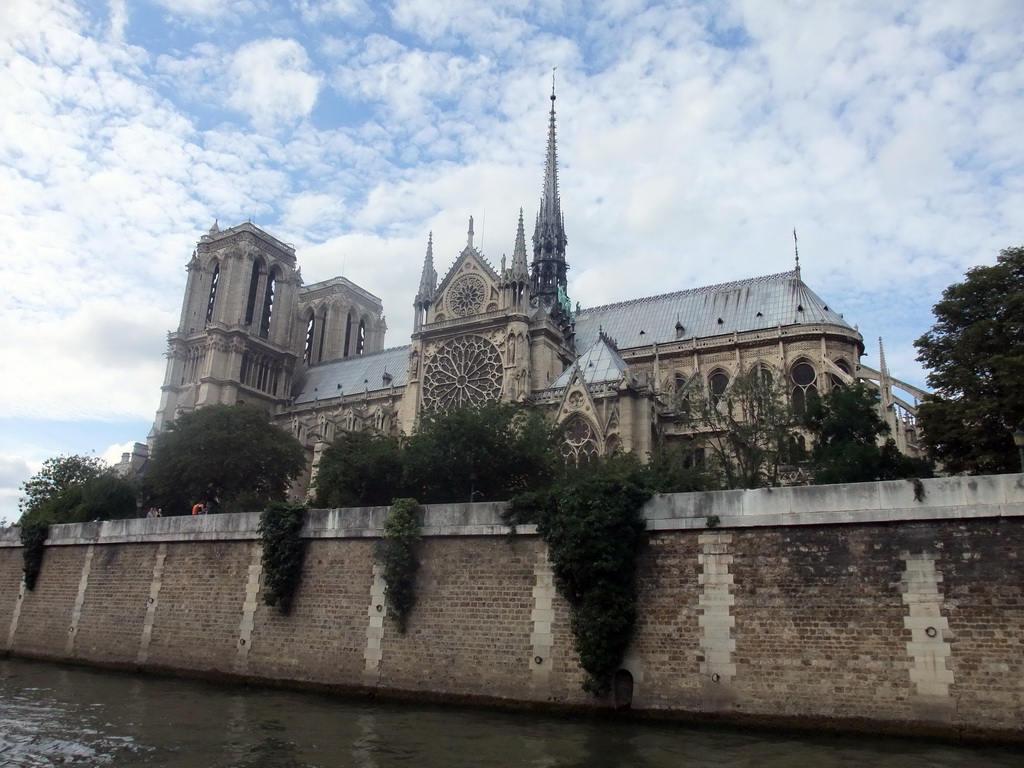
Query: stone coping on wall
column 851, row 503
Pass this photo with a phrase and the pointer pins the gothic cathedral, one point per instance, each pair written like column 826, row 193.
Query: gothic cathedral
column 611, row 376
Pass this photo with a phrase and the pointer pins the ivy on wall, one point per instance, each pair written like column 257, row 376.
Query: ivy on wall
column 284, row 550
column 33, row 537
column 397, row 556
column 595, row 533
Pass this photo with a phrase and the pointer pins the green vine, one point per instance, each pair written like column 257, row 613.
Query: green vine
column 396, row 553
column 33, row 537
column 280, row 529
column 595, row 533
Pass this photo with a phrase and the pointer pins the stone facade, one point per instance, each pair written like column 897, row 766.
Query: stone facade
column 612, row 376
column 850, row 606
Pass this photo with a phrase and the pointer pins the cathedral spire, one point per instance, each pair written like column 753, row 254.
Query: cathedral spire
column 428, row 279
column 519, row 266
column 549, row 265
column 796, row 253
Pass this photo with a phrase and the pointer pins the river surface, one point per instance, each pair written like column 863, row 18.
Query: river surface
column 52, row 715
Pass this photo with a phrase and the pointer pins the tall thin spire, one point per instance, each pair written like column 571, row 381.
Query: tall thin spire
column 796, row 253
column 428, row 280
column 519, row 266
column 549, row 240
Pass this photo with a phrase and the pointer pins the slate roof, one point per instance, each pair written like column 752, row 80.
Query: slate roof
column 759, row 303
column 744, row 305
column 598, row 364
column 352, row 375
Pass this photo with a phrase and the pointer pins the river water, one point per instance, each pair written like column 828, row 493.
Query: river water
column 52, row 715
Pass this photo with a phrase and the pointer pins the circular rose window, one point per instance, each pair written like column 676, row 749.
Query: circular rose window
column 464, row 371
column 466, row 295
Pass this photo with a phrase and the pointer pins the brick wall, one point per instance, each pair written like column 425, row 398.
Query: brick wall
column 850, row 605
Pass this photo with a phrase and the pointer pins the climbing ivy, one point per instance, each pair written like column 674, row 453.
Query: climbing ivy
column 33, row 537
column 396, row 554
column 280, row 529
column 595, row 533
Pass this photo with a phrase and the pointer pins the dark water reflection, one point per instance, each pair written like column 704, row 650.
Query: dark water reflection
column 51, row 715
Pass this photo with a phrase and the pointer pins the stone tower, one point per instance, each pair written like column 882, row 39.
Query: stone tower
column 235, row 338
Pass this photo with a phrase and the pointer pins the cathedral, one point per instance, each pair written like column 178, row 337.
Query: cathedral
column 610, row 376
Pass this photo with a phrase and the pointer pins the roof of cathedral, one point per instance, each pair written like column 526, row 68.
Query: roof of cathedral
column 597, row 365
column 743, row 305
column 353, row 375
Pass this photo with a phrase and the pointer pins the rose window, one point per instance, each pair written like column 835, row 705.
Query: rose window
column 464, row 371
column 467, row 295
column 579, row 445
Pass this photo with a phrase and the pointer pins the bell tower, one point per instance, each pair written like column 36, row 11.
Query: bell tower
column 234, row 340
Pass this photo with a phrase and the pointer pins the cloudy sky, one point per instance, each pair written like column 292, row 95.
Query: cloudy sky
column 693, row 137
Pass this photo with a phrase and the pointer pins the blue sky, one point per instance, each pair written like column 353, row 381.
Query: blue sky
column 693, row 138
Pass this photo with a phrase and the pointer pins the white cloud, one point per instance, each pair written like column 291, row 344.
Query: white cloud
column 272, row 82
column 357, row 12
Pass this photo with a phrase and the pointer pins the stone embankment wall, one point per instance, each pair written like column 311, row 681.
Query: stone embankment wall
column 845, row 606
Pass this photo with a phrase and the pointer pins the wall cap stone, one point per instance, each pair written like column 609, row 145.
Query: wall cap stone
column 945, row 498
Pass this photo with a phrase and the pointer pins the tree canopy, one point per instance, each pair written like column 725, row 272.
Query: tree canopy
column 848, row 447
column 748, row 425
column 487, row 452
column 229, row 455
column 360, row 469
column 76, row 489
column 975, row 357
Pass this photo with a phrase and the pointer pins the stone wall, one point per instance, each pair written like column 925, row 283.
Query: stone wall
column 851, row 606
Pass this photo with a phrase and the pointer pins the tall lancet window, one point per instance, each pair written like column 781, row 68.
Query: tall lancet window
column 361, row 338
column 213, row 292
column 254, row 290
column 268, row 305
column 307, row 354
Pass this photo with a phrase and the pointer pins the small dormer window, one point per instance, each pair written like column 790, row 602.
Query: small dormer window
column 799, row 307
column 721, row 321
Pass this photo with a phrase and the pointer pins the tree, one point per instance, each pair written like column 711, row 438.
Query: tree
column 848, row 448
column 747, row 426
column 975, row 355
column 76, row 489
column 360, row 469
column 486, row 452
column 229, row 455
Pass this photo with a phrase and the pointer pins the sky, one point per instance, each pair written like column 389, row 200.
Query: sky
column 693, row 137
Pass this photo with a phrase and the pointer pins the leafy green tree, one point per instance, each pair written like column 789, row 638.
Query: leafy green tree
column 848, row 439
column 975, row 355
column 748, row 428
column 76, row 489
column 487, row 452
column 228, row 455
column 360, row 469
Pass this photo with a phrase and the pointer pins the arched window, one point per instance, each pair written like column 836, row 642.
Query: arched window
column 579, row 445
column 361, row 338
column 213, row 292
column 323, row 335
column 348, row 335
column 307, row 351
column 268, row 305
column 761, row 374
column 254, row 289
column 804, row 385
column 718, row 382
